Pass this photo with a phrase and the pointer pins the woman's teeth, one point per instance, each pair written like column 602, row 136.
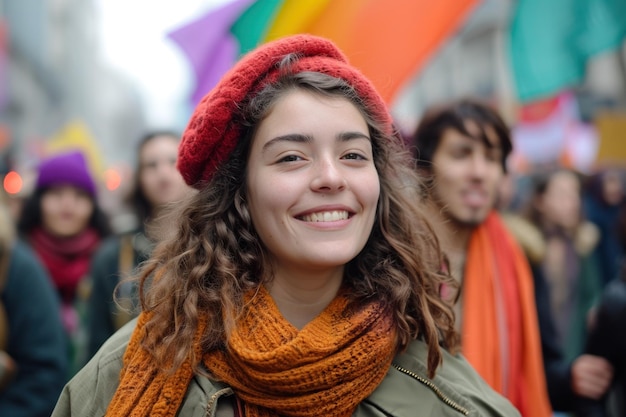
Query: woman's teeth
column 326, row 216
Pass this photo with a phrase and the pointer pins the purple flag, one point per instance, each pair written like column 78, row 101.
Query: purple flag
column 210, row 46
column 4, row 64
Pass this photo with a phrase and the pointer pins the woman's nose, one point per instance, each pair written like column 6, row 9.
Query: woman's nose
column 328, row 176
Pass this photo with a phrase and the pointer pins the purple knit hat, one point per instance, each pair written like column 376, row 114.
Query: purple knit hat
column 67, row 168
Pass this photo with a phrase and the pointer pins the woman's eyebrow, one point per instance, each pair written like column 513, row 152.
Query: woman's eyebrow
column 347, row 136
column 291, row 137
column 301, row 138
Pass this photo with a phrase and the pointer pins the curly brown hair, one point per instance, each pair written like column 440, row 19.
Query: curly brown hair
column 215, row 255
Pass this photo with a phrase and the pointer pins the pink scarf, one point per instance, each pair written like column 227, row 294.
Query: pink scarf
column 66, row 259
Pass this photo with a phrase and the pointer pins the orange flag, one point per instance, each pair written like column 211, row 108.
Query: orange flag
column 389, row 41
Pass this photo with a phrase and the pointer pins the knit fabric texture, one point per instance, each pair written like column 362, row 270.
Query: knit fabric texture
column 212, row 133
column 69, row 168
column 325, row 369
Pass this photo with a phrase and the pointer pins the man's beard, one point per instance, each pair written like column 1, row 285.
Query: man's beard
column 472, row 221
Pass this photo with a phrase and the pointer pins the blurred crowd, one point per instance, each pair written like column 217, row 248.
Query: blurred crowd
column 62, row 265
column 64, row 274
column 572, row 229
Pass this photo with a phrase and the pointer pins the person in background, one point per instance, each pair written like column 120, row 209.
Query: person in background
column 157, row 185
column 64, row 225
column 461, row 148
column 567, row 284
column 568, row 264
column 603, row 198
column 607, row 338
column 33, row 360
column 302, row 279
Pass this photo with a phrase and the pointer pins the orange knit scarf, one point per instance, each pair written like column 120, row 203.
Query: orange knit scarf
column 500, row 333
column 326, row 368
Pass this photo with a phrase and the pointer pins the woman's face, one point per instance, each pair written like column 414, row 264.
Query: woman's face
column 158, row 177
column 560, row 203
column 312, row 184
column 66, row 210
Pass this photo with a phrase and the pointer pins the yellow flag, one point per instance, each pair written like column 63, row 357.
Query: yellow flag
column 75, row 135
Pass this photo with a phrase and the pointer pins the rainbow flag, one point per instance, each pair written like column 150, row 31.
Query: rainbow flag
column 388, row 40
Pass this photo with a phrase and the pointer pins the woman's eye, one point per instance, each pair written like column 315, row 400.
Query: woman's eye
column 290, row 158
column 150, row 165
column 353, row 155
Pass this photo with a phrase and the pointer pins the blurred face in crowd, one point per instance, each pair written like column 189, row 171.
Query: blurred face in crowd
column 612, row 188
column 560, row 204
column 467, row 174
column 66, row 210
column 506, row 192
column 312, row 185
column 159, row 179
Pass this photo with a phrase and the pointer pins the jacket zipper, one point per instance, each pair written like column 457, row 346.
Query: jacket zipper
column 213, row 399
column 435, row 389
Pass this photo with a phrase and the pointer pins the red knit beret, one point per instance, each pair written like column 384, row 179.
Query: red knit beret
column 211, row 134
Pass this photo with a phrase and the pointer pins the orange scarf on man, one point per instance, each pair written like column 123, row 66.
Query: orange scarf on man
column 326, row 368
column 500, row 332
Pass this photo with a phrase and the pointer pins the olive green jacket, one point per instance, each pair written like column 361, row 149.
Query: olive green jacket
column 456, row 390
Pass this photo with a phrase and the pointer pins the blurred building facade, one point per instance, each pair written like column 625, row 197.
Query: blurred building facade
column 55, row 76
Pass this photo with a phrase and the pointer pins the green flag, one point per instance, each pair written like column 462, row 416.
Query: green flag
column 252, row 26
column 551, row 41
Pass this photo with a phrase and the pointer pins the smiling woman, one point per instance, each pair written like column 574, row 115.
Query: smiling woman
column 303, row 279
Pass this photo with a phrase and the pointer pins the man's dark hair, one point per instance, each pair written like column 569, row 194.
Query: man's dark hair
column 454, row 115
